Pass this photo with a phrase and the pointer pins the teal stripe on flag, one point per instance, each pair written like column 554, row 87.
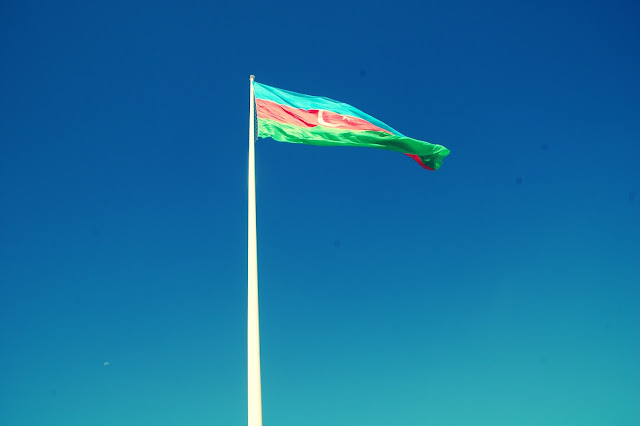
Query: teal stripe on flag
column 306, row 102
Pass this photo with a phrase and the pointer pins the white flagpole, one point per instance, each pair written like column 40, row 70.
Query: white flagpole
column 253, row 325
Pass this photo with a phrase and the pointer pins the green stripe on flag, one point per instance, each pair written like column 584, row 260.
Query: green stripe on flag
column 430, row 154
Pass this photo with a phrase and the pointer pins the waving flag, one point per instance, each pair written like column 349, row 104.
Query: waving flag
column 293, row 117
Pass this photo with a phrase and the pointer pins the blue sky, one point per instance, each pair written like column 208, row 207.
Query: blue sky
column 502, row 289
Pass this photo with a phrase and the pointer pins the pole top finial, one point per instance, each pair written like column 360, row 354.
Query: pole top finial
column 251, row 77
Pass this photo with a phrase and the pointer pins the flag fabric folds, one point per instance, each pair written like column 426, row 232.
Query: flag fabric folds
column 293, row 117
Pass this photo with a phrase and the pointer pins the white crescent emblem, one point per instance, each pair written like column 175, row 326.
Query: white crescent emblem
column 324, row 123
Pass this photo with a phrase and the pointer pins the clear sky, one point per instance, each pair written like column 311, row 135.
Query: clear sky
column 503, row 289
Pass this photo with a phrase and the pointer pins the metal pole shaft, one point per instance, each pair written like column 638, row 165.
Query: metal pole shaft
column 253, row 325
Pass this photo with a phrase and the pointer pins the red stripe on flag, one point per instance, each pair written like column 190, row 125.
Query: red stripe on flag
column 311, row 118
column 419, row 161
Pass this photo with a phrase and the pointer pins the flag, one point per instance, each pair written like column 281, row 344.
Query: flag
column 293, row 117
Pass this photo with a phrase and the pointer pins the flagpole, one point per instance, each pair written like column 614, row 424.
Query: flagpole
column 253, row 326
